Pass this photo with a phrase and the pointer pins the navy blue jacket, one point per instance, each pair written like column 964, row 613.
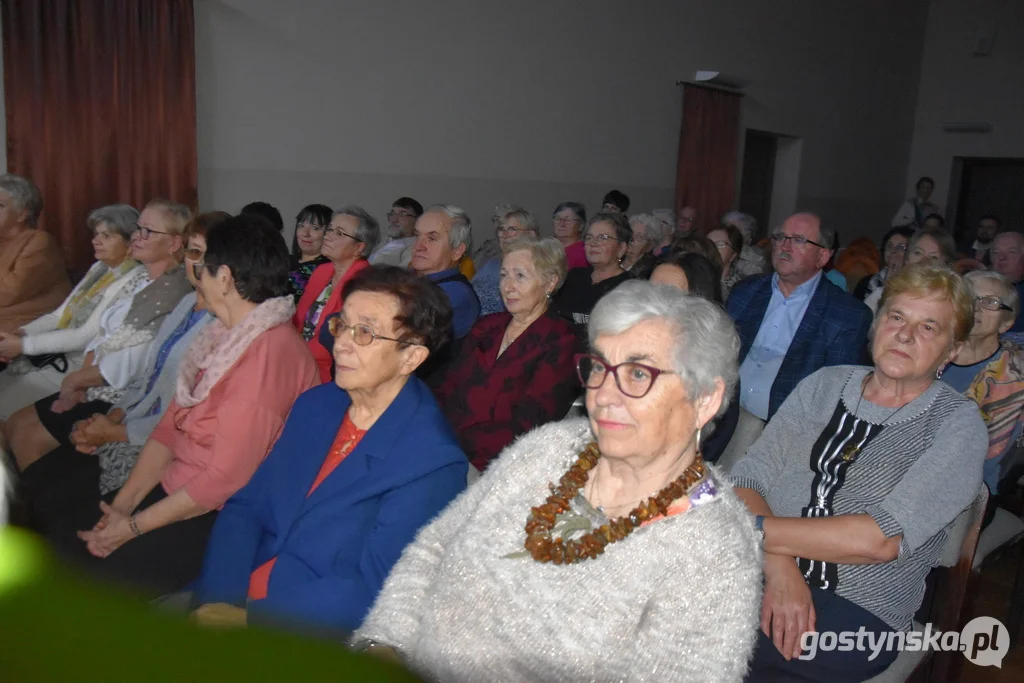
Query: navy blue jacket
column 335, row 547
column 833, row 331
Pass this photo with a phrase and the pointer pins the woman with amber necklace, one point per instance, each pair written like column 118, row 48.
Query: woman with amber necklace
column 600, row 548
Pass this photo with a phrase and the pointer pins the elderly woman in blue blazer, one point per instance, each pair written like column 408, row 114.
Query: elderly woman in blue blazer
column 360, row 466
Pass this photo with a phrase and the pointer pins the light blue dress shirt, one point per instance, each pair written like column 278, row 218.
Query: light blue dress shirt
column 778, row 327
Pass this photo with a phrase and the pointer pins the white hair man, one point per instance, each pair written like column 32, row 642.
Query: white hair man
column 443, row 235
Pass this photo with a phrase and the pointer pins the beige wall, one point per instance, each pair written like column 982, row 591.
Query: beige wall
column 958, row 86
column 483, row 102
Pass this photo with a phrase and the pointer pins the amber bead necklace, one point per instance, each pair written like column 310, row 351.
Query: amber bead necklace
column 543, row 548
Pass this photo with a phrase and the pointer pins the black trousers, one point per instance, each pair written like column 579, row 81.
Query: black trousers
column 59, row 425
column 60, row 484
column 834, row 614
column 159, row 562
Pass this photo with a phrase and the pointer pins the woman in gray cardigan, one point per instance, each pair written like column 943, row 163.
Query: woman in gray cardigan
column 594, row 550
column 856, row 482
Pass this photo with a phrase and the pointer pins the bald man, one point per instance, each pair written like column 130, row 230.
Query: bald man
column 791, row 323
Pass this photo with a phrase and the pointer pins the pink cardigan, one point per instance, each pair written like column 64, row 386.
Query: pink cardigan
column 219, row 443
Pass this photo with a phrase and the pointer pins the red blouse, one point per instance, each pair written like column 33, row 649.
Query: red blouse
column 345, row 442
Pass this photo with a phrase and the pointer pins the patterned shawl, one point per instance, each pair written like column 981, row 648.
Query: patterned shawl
column 86, row 297
column 148, row 309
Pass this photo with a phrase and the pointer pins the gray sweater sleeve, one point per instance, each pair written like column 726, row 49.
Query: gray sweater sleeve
column 943, row 481
column 766, row 459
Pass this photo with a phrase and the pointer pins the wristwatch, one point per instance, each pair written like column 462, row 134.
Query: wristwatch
column 759, row 527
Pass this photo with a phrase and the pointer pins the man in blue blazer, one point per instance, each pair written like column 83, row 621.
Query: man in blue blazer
column 362, row 463
column 791, row 323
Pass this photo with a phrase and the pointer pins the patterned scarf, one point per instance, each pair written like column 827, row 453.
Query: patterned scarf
column 218, row 348
column 86, row 297
column 313, row 315
column 148, row 309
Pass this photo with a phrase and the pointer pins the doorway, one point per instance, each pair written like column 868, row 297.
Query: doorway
column 986, row 185
column 758, row 175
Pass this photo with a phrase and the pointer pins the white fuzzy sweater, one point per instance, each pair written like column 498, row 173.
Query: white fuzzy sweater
column 677, row 600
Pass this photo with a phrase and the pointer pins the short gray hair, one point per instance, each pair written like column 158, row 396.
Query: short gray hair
column 25, row 195
column 706, row 344
column 1009, row 295
column 368, row 230
column 667, row 218
column 505, row 212
column 655, row 231
column 461, row 230
column 548, row 256
column 122, row 219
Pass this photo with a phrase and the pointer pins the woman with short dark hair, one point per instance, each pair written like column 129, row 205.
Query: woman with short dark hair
column 363, row 462
column 729, row 241
column 692, row 273
column 236, row 384
column 894, row 253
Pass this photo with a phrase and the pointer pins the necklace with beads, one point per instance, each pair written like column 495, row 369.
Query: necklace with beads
column 543, row 548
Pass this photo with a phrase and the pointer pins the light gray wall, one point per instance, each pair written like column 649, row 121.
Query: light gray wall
column 958, row 86
column 534, row 102
column 480, row 102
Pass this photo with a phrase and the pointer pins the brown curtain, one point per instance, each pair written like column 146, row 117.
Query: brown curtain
column 708, row 150
column 101, row 107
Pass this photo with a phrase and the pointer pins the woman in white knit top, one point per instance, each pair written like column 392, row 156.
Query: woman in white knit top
column 636, row 563
column 71, row 326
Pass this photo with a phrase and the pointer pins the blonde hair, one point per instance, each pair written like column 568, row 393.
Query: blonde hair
column 548, row 256
column 926, row 280
column 178, row 215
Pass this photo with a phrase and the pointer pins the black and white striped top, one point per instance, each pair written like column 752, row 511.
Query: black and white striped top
column 913, row 472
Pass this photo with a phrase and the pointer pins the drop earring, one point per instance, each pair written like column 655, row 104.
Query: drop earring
column 938, row 373
column 698, row 441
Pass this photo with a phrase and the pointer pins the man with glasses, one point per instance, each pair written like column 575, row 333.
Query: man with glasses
column 791, row 323
column 510, row 223
column 396, row 250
